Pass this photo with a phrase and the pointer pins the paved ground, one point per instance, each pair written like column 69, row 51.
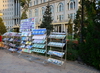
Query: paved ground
column 11, row 63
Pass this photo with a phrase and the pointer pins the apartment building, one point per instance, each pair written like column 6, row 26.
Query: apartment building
column 62, row 11
column 11, row 12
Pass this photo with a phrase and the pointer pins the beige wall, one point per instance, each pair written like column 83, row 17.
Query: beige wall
column 54, row 3
column 8, row 9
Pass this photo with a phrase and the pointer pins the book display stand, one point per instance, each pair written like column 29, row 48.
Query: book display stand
column 26, row 43
column 26, row 27
column 57, row 48
column 39, row 41
column 12, row 40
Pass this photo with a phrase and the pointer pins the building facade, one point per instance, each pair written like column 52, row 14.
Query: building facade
column 11, row 12
column 62, row 11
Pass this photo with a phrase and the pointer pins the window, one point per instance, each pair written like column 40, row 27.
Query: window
column 52, row 17
column 36, row 1
column 30, row 3
column 43, row 10
column 41, row 1
column 68, row 6
column 68, row 15
column 60, row 7
column 71, row 16
column 30, row 13
column 74, row 5
column 36, row 12
column 71, row 5
column 60, row 17
column 74, row 15
column 52, row 8
column 44, row 0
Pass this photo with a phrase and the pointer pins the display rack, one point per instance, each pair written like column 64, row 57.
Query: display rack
column 17, row 40
column 12, row 41
column 57, row 49
column 26, row 43
column 39, row 41
column 6, row 38
column 26, row 27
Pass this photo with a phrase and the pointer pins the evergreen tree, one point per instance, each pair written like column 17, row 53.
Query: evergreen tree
column 47, row 20
column 70, row 28
column 25, row 6
column 77, row 22
column 2, row 27
column 90, row 49
column 24, row 15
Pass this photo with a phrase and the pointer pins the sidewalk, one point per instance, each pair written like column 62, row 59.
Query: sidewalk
column 11, row 63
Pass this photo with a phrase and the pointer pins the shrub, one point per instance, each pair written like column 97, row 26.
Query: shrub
column 72, row 51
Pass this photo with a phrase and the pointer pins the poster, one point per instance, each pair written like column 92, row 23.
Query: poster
column 27, row 25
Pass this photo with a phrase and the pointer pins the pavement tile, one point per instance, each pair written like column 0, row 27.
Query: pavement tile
column 11, row 63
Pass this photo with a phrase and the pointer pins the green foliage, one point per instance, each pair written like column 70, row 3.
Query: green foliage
column 2, row 27
column 70, row 28
column 90, row 49
column 22, row 2
column 25, row 3
column 25, row 6
column 24, row 15
column 78, row 21
column 47, row 20
column 72, row 51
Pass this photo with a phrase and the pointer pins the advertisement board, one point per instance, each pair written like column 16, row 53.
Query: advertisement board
column 27, row 25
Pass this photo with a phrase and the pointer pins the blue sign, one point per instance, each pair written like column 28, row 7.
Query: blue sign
column 38, row 31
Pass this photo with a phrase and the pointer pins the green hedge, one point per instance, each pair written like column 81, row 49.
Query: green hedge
column 90, row 53
column 72, row 51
